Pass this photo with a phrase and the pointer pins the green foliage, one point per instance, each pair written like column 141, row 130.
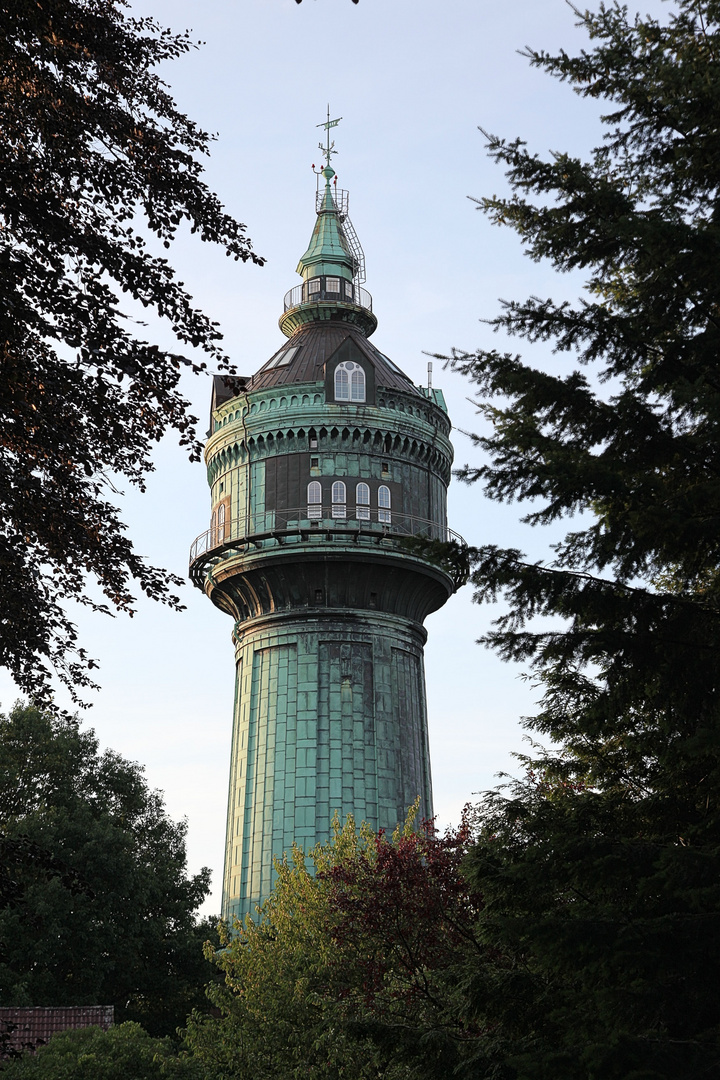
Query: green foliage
column 98, row 171
column 451, row 556
column 600, row 870
column 352, row 968
column 95, row 903
column 125, row 1052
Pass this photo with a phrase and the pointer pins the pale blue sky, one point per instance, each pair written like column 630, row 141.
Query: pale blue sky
column 412, row 80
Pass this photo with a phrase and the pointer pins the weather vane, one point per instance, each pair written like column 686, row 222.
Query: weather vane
column 329, row 148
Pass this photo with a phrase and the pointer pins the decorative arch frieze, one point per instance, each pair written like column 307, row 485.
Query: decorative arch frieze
column 380, row 440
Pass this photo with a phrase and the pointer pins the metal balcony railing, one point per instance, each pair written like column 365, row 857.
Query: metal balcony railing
column 337, row 522
column 302, row 295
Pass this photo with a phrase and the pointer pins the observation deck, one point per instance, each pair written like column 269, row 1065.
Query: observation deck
column 327, row 298
column 385, row 530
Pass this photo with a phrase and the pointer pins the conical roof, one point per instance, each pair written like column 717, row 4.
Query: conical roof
column 328, row 251
column 302, row 359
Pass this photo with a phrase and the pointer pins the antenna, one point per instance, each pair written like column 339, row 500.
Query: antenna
column 429, row 374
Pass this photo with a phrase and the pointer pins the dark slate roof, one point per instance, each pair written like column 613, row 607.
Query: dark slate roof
column 223, row 388
column 29, row 1027
column 317, row 342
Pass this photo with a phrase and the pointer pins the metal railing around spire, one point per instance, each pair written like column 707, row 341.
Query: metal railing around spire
column 302, row 295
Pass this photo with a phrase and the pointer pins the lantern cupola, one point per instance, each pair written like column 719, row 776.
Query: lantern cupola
column 333, row 267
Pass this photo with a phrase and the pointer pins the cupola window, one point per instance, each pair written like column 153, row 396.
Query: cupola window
column 339, row 498
column 332, row 284
column 362, row 502
column 349, row 382
column 314, row 500
column 314, row 285
column 384, row 504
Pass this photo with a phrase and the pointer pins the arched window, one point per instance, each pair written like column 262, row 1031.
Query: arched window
column 314, row 500
column 384, row 504
column 221, row 523
column 342, row 383
column 338, row 499
column 213, row 529
column 349, row 382
column 357, row 384
column 362, row 502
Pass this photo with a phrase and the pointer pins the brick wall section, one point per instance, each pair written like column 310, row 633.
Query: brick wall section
column 33, row 1027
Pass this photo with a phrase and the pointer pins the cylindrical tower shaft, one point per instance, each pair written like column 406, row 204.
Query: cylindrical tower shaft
column 330, row 719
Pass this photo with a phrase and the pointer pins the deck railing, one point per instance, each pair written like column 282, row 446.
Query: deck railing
column 301, row 295
column 337, row 522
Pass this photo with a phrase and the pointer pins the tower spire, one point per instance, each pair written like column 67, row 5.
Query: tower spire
column 333, row 266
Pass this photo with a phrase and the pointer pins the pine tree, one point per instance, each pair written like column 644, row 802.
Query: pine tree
column 600, row 870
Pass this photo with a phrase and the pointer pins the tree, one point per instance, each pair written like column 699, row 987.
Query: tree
column 121, row 1053
column 599, row 871
column 98, row 171
column 353, row 968
column 97, row 906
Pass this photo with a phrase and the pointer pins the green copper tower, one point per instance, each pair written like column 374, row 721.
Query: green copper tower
column 321, row 466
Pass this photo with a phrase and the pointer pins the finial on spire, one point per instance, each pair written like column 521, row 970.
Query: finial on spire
column 329, row 148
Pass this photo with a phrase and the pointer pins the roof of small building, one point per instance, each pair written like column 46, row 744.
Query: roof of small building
column 27, row 1027
column 315, row 344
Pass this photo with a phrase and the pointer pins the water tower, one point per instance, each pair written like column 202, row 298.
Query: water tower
column 321, row 466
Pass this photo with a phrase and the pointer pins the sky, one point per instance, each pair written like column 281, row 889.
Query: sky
column 413, row 80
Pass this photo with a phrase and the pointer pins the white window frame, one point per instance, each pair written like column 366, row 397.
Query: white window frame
column 362, row 502
column 357, row 384
column 384, row 505
column 339, row 499
column 350, row 382
column 342, row 383
column 314, row 500
column 221, row 523
column 332, row 284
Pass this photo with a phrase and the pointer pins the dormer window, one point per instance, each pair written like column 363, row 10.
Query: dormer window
column 349, row 382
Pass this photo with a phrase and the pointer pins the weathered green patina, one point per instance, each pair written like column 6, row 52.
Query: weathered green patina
column 320, row 467
column 328, row 251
